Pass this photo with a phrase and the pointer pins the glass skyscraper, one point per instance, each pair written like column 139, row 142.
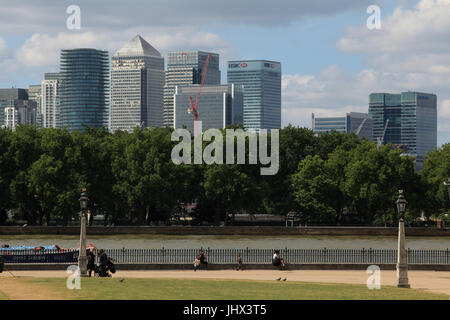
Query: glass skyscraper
column 412, row 121
column 351, row 122
column 185, row 68
column 219, row 106
column 137, row 85
column 262, row 92
column 84, row 93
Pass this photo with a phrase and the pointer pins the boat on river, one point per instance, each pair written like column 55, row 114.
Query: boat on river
column 39, row 254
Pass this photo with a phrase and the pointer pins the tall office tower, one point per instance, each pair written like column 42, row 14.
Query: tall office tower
column 34, row 94
column 412, row 121
column 356, row 122
column 185, row 68
column 262, row 92
column 50, row 104
column 137, row 86
column 219, row 106
column 84, row 88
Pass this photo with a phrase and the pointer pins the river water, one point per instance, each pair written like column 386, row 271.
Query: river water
column 224, row 242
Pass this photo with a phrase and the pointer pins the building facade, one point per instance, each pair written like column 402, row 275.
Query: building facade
column 185, row 68
column 410, row 119
column 262, row 92
column 356, row 122
column 50, row 104
column 34, row 94
column 16, row 108
column 219, row 106
column 84, row 75
column 137, row 86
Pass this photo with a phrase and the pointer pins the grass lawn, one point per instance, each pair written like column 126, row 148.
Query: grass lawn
column 3, row 296
column 179, row 289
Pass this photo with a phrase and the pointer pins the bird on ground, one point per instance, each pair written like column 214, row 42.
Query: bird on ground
column 278, row 279
column 284, row 279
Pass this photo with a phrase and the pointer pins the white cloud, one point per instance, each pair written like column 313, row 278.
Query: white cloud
column 5, row 52
column 410, row 52
column 43, row 49
column 50, row 16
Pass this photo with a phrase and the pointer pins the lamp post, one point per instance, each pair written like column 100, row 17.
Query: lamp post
column 402, row 264
column 447, row 183
column 82, row 258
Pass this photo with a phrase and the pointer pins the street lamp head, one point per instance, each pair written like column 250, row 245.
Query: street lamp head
column 83, row 200
column 401, row 203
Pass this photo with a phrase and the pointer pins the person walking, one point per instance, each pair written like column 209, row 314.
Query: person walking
column 103, row 263
column 240, row 265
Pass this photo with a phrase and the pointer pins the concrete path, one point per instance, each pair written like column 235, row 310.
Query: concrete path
column 432, row 281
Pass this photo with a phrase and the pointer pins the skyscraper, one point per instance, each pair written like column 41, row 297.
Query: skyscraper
column 50, row 104
column 410, row 119
column 356, row 122
column 262, row 92
column 137, row 86
column 84, row 88
column 219, row 106
column 34, row 94
column 184, row 68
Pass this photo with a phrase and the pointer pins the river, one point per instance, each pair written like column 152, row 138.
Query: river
column 223, row 242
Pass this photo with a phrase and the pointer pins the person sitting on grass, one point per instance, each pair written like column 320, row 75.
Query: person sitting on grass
column 196, row 264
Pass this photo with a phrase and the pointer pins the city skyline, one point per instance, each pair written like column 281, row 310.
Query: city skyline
column 331, row 61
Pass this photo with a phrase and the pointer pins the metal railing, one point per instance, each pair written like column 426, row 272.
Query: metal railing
column 251, row 256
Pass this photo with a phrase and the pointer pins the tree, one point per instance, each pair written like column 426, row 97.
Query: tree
column 436, row 170
column 316, row 193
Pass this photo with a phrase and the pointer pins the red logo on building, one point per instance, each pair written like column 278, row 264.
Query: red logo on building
column 244, row 65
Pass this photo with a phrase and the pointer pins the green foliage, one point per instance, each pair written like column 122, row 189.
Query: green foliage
column 331, row 178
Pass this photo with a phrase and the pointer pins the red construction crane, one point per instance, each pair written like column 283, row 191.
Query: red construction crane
column 194, row 107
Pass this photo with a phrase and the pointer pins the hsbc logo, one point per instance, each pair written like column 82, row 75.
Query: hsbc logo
column 237, row 65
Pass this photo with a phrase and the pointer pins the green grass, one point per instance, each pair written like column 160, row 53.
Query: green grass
column 3, row 296
column 179, row 289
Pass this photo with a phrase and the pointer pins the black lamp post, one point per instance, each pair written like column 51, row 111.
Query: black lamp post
column 82, row 258
column 447, row 183
column 401, row 204
column 402, row 263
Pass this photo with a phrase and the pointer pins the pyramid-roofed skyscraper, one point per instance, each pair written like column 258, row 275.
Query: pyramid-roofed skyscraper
column 137, row 86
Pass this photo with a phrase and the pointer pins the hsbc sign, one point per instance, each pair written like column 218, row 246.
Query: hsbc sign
column 237, row 65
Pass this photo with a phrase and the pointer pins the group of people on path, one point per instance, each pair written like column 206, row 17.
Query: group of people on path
column 104, row 265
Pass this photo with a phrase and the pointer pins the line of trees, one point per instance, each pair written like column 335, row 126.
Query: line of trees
column 329, row 179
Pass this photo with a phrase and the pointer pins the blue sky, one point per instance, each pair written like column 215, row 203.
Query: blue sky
column 330, row 60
